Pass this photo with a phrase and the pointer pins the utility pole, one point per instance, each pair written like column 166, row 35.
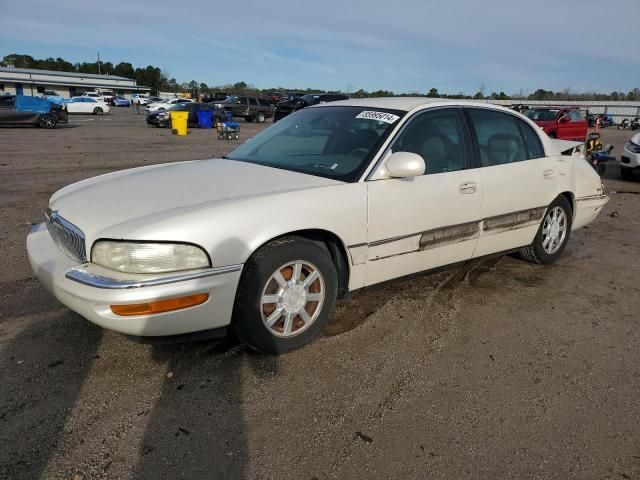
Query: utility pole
column 98, row 63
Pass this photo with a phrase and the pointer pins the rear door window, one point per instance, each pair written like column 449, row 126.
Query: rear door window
column 502, row 138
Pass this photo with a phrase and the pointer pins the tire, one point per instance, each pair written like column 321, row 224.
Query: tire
column 626, row 173
column 47, row 121
column 229, row 136
column 288, row 330
column 221, row 136
column 97, row 111
column 260, row 118
column 537, row 252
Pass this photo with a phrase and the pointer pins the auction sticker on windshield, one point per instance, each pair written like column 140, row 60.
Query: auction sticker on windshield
column 382, row 116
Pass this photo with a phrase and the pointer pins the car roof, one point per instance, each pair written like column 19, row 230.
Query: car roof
column 409, row 103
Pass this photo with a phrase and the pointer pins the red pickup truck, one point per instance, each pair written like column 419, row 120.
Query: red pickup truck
column 565, row 123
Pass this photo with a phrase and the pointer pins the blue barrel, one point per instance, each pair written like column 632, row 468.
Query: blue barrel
column 204, row 118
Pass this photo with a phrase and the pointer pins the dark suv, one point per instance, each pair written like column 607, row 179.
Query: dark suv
column 249, row 108
column 285, row 108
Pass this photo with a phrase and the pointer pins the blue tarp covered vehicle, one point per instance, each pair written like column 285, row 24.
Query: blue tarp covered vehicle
column 23, row 109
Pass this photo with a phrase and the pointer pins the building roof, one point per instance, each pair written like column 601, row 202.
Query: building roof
column 35, row 71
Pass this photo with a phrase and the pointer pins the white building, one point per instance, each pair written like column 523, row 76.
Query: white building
column 26, row 81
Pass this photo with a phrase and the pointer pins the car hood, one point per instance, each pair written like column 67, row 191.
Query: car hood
column 126, row 200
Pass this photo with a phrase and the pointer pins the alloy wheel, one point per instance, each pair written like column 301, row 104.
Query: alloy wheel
column 292, row 298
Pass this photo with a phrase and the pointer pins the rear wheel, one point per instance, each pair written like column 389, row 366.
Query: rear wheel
column 286, row 294
column 97, row 111
column 553, row 234
column 260, row 118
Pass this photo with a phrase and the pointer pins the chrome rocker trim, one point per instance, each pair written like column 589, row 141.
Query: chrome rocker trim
column 80, row 275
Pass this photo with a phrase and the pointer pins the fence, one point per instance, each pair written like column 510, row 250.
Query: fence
column 618, row 110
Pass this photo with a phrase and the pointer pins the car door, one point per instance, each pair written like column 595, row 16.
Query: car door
column 579, row 126
column 518, row 180
column 432, row 220
column 75, row 105
column 8, row 110
column 88, row 104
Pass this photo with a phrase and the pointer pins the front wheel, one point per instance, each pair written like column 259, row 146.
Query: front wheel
column 97, row 111
column 260, row 118
column 553, row 234
column 286, row 294
column 47, row 121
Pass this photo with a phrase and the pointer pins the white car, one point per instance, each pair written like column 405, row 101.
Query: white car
column 152, row 107
column 139, row 98
column 330, row 199
column 86, row 104
column 629, row 161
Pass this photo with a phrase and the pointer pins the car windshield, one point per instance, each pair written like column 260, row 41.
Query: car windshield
column 331, row 142
column 543, row 114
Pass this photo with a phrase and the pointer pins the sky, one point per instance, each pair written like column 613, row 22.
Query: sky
column 400, row 45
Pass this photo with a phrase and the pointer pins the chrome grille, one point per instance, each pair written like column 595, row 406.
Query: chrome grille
column 66, row 236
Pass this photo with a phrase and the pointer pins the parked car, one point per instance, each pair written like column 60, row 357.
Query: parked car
column 139, row 98
column 217, row 97
column 87, row 104
column 121, row 102
column 285, row 108
column 331, row 199
column 249, row 108
column 162, row 118
column 105, row 96
column 273, row 97
column 606, row 120
column 560, row 122
column 22, row 109
column 152, row 107
column 630, row 159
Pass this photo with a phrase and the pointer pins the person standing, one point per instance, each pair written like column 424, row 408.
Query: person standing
column 136, row 105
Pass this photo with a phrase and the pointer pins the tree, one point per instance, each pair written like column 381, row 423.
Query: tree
column 433, row 93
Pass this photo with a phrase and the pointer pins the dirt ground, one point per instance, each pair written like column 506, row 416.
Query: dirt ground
column 498, row 369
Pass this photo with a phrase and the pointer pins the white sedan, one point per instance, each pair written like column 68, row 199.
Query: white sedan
column 630, row 159
column 152, row 107
column 87, row 104
column 331, row 199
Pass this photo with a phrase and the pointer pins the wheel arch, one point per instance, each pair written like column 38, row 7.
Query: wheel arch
column 572, row 201
column 329, row 240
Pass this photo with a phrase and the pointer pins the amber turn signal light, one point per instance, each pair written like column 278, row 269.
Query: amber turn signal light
column 160, row 306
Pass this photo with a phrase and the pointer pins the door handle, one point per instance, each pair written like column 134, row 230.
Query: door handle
column 549, row 173
column 468, row 187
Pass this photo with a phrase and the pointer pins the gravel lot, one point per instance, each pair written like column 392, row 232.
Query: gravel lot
column 498, row 369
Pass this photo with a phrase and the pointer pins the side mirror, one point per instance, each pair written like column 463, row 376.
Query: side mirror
column 405, row 164
column 565, row 119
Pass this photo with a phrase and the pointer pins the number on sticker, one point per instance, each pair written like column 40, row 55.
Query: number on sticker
column 382, row 116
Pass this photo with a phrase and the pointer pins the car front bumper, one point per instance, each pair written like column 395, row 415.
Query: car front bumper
column 629, row 159
column 90, row 290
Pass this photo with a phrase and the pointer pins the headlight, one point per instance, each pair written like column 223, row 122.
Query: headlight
column 632, row 147
column 134, row 257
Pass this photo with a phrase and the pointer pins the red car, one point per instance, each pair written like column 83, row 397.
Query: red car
column 565, row 123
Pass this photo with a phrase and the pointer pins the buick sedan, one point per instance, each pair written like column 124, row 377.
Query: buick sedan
column 329, row 200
